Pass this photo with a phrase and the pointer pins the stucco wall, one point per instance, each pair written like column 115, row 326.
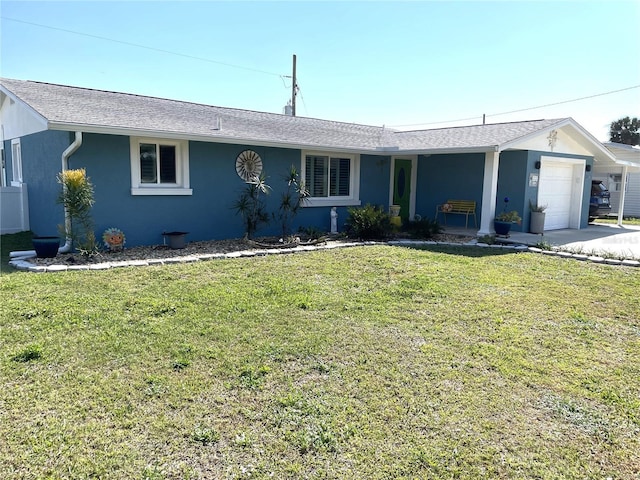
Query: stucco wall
column 532, row 192
column 513, row 184
column 443, row 177
column 41, row 163
column 207, row 214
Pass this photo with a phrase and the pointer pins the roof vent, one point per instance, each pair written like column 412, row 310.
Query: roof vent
column 217, row 124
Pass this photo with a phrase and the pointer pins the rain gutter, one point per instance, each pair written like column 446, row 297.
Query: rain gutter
column 70, row 150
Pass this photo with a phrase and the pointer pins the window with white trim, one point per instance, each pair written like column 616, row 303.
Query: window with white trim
column 615, row 182
column 159, row 167
column 16, row 162
column 331, row 179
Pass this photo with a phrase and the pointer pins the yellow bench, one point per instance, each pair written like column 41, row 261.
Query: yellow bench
column 458, row 207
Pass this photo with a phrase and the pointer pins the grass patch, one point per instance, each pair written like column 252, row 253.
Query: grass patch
column 11, row 243
column 614, row 220
column 377, row 362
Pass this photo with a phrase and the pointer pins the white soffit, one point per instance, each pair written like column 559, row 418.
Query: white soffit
column 18, row 119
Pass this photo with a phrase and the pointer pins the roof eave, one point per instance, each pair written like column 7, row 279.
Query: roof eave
column 39, row 117
column 126, row 131
column 513, row 143
column 597, row 146
column 387, row 150
column 440, row 151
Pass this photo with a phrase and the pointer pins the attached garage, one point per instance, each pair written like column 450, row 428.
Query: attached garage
column 560, row 189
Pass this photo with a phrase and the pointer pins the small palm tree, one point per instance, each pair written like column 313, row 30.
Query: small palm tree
column 293, row 198
column 251, row 206
column 77, row 199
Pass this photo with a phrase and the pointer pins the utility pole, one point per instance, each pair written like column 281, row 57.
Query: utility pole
column 293, row 89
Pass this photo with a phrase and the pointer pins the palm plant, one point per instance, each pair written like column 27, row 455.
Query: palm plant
column 251, row 205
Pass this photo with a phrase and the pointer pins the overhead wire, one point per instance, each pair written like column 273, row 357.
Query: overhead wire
column 521, row 109
column 299, row 91
column 283, row 77
column 155, row 49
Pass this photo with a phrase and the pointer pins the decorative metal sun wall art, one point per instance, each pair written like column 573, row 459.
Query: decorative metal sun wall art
column 248, row 165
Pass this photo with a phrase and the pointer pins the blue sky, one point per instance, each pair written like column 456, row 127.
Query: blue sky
column 410, row 64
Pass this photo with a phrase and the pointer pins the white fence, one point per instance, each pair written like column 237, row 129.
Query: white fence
column 14, row 209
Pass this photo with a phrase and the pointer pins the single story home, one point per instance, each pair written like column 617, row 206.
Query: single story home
column 162, row 165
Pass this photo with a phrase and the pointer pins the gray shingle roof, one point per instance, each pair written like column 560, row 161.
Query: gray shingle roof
column 66, row 107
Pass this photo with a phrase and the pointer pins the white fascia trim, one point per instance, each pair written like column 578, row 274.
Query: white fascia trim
column 623, row 146
column 599, row 147
column 39, row 117
column 375, row 151
column 628, row 163
column 127, row 132
column 441, row 151
column 513, row 144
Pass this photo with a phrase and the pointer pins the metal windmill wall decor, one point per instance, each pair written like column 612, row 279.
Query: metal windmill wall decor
column 248, row 165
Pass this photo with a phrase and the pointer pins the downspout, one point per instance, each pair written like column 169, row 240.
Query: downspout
column 70, row 150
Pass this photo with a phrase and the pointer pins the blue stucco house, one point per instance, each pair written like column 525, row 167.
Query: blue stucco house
column 163, row 165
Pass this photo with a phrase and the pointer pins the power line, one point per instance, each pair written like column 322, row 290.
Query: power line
column 137, row 45
column 566, row 101
column 522, row 109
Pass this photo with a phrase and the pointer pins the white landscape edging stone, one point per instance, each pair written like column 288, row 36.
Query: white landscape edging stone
column 22, row 263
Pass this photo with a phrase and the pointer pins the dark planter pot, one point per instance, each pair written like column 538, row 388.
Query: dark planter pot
column 177, row 240
column 502, row 228
column 46, row 247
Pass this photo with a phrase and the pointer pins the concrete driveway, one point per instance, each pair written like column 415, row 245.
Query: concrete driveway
column 596, row 239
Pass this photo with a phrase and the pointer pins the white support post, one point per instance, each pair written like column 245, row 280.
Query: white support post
column 622, row 195
column 489, row 193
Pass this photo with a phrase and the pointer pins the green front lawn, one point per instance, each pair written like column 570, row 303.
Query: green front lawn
column 367, row 362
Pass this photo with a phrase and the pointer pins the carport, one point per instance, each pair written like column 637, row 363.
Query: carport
column 627, row 160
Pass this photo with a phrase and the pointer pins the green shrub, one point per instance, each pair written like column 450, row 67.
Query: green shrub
column 424, row 228
column 368, row 222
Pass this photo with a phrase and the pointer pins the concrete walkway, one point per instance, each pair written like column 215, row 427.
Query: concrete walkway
column 595, row 239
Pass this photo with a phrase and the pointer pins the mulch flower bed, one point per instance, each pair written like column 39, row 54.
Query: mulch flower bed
column 194, row 249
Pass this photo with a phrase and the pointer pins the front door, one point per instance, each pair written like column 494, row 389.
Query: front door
column 402, row 186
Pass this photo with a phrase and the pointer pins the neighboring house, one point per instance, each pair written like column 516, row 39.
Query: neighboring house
column 623, row 177
column 162, row 165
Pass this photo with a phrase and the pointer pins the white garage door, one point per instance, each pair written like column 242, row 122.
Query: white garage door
column 554, row 190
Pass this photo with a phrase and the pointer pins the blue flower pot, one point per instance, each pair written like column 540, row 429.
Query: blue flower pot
column 502, row 228
column 46, row 247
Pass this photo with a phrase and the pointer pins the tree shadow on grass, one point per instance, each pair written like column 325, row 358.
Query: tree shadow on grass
column 465, row 250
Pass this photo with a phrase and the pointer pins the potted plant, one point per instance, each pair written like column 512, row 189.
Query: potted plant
column 503, row 221
column 537, row 217
column 46, row 247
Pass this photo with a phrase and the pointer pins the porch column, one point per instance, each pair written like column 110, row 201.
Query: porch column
column 489, row 193
column 622, row 195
